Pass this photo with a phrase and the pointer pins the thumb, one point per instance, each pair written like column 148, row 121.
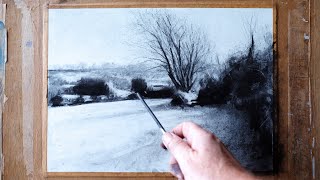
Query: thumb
column 177, row 147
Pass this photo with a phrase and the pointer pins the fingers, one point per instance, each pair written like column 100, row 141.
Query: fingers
column 176, row 171
column 178, row 148
column 192, row 132
column 163, row 146
column 175, row 168
column 173, row 161
column 189, row 130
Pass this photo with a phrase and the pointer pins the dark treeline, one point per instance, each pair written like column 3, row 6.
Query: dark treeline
column 247, row 84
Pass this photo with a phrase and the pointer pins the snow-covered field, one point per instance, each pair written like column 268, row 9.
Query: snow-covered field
column 121, row 136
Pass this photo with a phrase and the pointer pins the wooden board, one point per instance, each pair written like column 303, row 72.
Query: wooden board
column 299, row 145
column 146, row 175
column 297, row 99
column 315, row 86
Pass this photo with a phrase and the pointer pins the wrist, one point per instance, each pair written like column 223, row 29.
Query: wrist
column 237, row 173
column 241, row 173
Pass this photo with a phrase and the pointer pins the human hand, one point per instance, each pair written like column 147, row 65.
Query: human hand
column 201, row 155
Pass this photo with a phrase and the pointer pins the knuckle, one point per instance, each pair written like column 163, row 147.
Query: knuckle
column 174, row 144
column 210, row 136
column 189, row 124
column 218, row 140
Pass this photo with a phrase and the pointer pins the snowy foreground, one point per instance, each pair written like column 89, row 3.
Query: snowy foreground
column 121, row 136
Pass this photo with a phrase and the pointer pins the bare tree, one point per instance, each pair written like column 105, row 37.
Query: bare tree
column 174, row 45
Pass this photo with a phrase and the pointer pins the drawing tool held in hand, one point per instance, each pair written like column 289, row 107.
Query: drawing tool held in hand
column 151, row 113
column 174, row 167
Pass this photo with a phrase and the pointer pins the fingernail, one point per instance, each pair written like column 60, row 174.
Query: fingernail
column 166, row 138
column 175, row 169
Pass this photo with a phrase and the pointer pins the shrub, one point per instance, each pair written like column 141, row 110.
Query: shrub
column 213, row 92
column 68, row 90
column 56, row 101
column 165, row 92
column 245, row 83
column 79, row 100
column 53, row 90
column 132, row 96
column 96, row 98
column 251, row 91
column 178, row 100
column 138, row 85
column 91, row 87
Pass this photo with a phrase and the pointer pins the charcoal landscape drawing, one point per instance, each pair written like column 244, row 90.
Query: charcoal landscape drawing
column 212, row 66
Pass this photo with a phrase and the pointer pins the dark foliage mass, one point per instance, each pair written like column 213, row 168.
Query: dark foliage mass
column 132, row 96
column 138, row 85
column 56, row 101
column 165, row 92
column 213, row 92
column 178, row 100
column 78, row 101
column 91, row 87
column 246, row 83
